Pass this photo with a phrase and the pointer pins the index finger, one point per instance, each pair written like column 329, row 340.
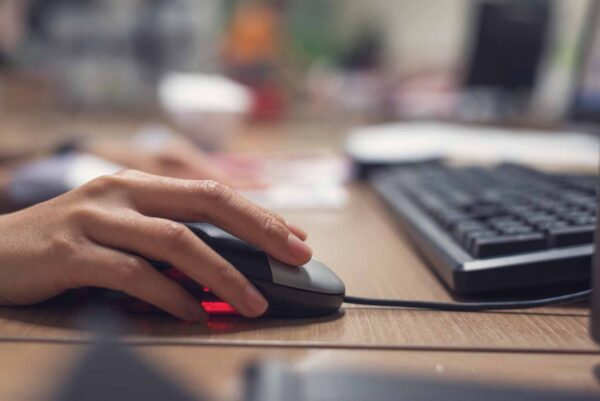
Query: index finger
column 210, row 201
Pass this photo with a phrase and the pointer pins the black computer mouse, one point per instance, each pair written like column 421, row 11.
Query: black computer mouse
column 310, row 290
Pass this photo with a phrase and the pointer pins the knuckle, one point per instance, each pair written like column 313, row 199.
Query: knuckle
column 129, row 271
column 276, row 216
column 271, row 227
column 130, row 173
column 173, row 234
column 84, row 214
column 63, row 247
column 106, row 184
column 215, row 191
column 70, row 272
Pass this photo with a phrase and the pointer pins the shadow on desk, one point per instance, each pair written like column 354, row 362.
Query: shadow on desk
column 382, row 328
column 65, row 312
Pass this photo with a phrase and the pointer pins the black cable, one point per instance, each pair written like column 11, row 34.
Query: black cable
column 471, row 306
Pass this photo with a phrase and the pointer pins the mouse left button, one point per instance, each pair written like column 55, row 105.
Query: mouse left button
column 313, row 276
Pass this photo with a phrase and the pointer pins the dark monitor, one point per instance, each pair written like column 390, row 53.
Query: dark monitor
column 585, row 104
column 508, row 41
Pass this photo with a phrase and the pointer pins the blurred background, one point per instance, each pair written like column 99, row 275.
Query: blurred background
column 216, row 70
column 285, row 98
column 378, row 60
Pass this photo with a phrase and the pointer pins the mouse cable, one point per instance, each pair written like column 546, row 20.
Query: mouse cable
column 471, row 306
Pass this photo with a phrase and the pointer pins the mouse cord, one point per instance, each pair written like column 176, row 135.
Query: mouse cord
column 471, row 306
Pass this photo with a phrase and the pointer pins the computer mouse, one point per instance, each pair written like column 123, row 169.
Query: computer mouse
column 310, row 290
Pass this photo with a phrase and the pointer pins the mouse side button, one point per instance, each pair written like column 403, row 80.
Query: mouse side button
column 313, row 276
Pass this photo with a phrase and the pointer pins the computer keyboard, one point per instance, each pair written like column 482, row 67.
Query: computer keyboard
column 499, row 228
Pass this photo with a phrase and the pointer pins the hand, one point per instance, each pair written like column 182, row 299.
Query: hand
column 178, row 158
column 90, row 236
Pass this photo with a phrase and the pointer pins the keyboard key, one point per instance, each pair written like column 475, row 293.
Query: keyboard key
column 584, row 220
column 508, row 224
column 540, row 217
column 484, row 212
column 568, row 236
column 466, row 226
column 515, row 230
column 507, row 245
column 469, row 225
column 503, row 221
column 470, row 236
column 521, row 210
column 575, row 215
column 548, row 225
column 449, row 218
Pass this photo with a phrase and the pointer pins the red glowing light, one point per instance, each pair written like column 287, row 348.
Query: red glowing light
column 218, row 308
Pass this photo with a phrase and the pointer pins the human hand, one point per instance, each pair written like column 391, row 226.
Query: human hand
column 90, row 237
column 176, row 157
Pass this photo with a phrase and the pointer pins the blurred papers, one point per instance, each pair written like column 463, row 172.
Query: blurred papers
column 405, row 142
column 303, row 182
column 296, row 182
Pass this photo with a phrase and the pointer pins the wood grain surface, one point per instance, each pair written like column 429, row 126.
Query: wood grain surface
column 33, row 372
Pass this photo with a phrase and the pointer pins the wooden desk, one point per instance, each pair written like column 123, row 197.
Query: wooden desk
column 362, row 245
column 30, row 372
column 545, row 347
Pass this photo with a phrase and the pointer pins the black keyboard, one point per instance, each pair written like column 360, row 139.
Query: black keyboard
column 493, row 229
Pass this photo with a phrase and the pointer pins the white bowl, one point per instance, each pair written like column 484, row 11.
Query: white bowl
column 210, row 109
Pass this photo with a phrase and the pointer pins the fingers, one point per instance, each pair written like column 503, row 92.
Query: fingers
column 175, row 244
column 298, row 232
column 215, row 203
column 136, row 277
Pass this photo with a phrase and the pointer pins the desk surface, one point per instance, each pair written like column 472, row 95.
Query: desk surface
column 374, row 259
column 547, row 346
column 218, row 370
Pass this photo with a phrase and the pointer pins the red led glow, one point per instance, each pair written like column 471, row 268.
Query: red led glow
column 218, row 308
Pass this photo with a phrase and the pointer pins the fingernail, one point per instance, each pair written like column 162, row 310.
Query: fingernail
column 255, row 304
column 196, row 313
column 298, row 248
